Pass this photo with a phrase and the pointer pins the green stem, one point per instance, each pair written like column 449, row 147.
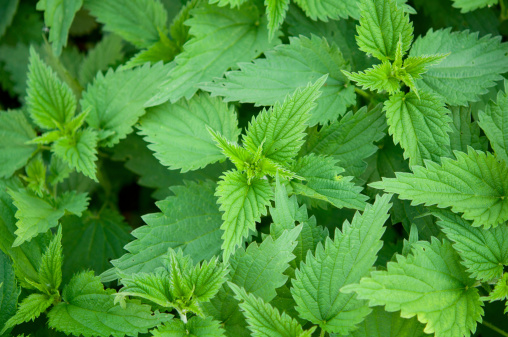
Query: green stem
column 504, row 10
column 363, row 93
column 495, row 328
column 322, row 334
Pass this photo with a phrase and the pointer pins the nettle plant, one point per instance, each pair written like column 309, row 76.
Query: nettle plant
column 367, row 197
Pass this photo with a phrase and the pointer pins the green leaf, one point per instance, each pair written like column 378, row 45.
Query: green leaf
column 500, row 291
column 465, row 132
column 163, row 50
column 206, row 279
column 330, row 9
column 208, row 54
column 430, row 284
column 380, row 77
column 136, row 21
column 483, row 251
column 190, row 220
column 231, row 3
column 36, row 215
column 79, row 151
column 15, row 131
column 266, row 321
column 239, row 156
column 420, row 125
column 104, row 54
column 473, row 184
column 243, row 203
column 36, row 176
column 154, row 287
column 473, row 66
column 58, row 16
column 276, row 13
column 342, row 261
column 195, row 327
column 494, row 122
column 7, row 13
column 51, row 103
column 50, row 272
column 116, row 100
column 279, row 131
column 382, row 24
column 9, row 290
column 470, row 5
column 418, row 65
column 88, row 309
column 91, row 241
column 178, row 132
column 29, row 309
column 351, row 139
column 324, row 182
column 287, row 67
column 380, row 323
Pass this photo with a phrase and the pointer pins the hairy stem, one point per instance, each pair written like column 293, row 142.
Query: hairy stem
column 495, row 328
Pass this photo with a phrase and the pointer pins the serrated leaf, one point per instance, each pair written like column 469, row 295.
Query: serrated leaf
column 474, row 184
column 15, row 131
column 29, row 309
column 266, row 321
column 154, row 287
column 243, row 203
column 79, row 151
column 470, row 5
column 473, row 66
column 9, row 290
column 351, row 139
column 51, row 103
column 231, row 3
column 465, row 132
column 195, row 327
column 500, row 291
column 420, row 125
column 330, row 9
column 58, row 16
column 178, row 132
column 208, row 54
column 88, row 309
column 163, row 50
column 483, row 251
column 342, row 261
column 190, row 221
column 287, row 67
column 104, row 54
column 50, row 272
column 322, row 181
column 430, row 284
column 494, row 122
column 116, row 100
column 418, row 65
column 380, row 77
column 206, row 279
column 382, row 24
column 137, row 21
column 234, row 152
column 276, row 12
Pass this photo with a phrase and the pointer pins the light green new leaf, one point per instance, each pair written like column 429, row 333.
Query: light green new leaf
column 243, row 203
column 351, row 139
column 500, row 291
column 36, row 176
column 208, row 54
column 58, row 16
column 280, row 130
column 29, row 309
column 382, row 24
column 420, row 125
column 465, row 132
column 474, row 184
column 343, row 261
column 178, row 132
column 163, row 50
column 89, row 310
column 50, row 272
column 104, row 54
column 234, row 152
column 287, row 67
column 266, row 321
column 116, row 100
column 15, row 131
column 380, row 77
column 418, row 65
column 51, row 103
column 483, row 251
column 9, row 290
column 286, row 211
column 324, row 182
column 470, row 5
column 330, row 9
column 206, row 279
column 137, row 21
column 494, row 122
column 190, row 220
column 36, row 215
column 231, row 3
column 430, row 284
column 473, row 66
column 154, row 287
column 78, row 151
column 195, row 327
column 380, row 323
column 276, row 13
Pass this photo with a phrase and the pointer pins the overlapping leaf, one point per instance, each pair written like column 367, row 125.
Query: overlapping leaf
column 494, row 122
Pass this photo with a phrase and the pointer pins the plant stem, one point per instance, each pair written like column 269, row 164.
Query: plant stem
column 504, row 10
column 322, row 334
column 363, row 93
column 495, row 328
